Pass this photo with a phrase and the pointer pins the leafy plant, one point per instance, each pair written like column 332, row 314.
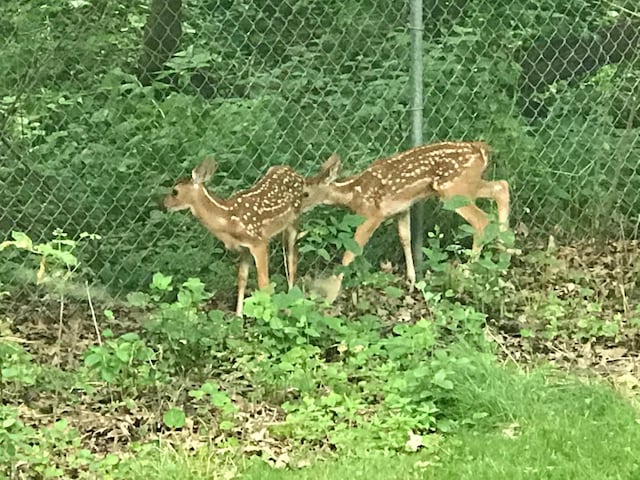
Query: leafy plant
column 210, row 391
column 16, row 365
column 284, row 320
column 52, row 451
column 174, row 418
column 190, row 337
column 331, row 234
column 126, row 362
column 481, row 281
column 56, row 260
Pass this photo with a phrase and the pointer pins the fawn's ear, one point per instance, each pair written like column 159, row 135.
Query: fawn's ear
column 329, row 170
column 204, row 171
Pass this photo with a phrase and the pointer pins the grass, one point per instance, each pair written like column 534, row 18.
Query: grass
column 539, row 426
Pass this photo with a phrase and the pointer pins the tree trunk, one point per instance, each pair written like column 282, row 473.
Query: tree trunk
column 161, row 38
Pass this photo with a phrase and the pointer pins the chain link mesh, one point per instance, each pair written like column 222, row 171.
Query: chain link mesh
column 104, row 104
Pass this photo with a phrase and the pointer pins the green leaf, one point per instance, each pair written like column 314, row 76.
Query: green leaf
column 455, row 202
column 60, row 425
column 110, row 460
column 351, row 245
column 123, row 353
column 220, row 399
column 286, row 366
column 323, row 254
column 8, row 422
column 92, row 359
column 393, row 292
column 312, row 332
column 20, row 240
column 51, row 472
column 210, row 388
column 276, row 323
column 161, row 282
column 351, row 220
column 65, row 257
column 129, row 337
column 197, row 394
column 440, row 379
column 138, row 299
column 195, row 285
column 174, row 418
column 226, row 425
column 11, row 372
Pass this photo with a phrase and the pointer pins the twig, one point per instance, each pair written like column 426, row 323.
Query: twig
column 624, row 9
column 93, row 314
column 625, row 302
column 284, row 254
column 505, row 350
column 60, row 317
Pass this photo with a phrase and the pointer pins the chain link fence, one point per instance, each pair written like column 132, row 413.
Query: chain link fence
column 105, row 103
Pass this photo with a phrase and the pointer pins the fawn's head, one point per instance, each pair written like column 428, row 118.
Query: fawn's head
column 317, row 189
column 187, row 192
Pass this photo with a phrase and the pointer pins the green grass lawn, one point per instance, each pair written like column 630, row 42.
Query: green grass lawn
column 548, row 428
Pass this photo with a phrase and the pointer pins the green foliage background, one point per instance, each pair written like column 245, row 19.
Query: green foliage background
column 87, row 147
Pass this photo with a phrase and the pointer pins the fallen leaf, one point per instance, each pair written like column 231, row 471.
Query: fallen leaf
column 414, row 442
column 511, row 431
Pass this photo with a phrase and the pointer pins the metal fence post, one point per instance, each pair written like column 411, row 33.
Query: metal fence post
column 417, row 212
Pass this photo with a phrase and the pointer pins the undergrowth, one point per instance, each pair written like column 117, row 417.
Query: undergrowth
column 384, row 370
